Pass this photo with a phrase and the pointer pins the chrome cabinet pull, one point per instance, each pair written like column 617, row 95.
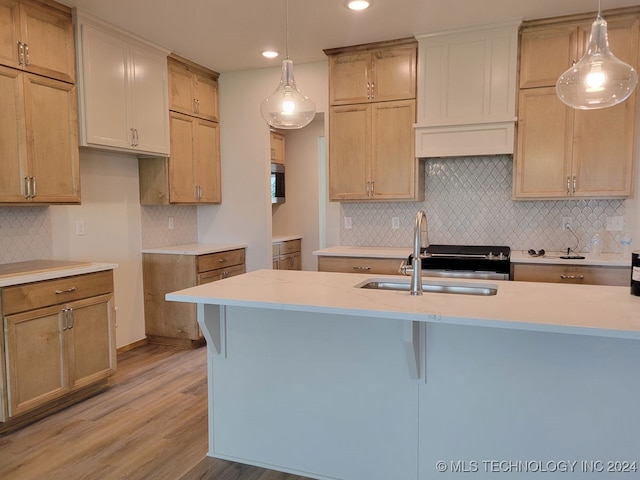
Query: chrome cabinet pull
column 33, row 187
column 572, row 277
column 373, row 90
column 20, row 53
column 134, row 137
column 65, row 319
column 195, row 107
column 222, row 260
column 26, row 54
column 71, row 318
column 568, row 185
column 68, row 290
column 359, row 267
column 373, row 187
column 27, row 187
column 368, row 91
column 574, row 184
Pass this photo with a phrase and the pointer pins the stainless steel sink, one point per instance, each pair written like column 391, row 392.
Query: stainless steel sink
column 435, row 286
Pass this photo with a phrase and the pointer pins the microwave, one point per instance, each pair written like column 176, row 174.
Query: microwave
column 277, row 183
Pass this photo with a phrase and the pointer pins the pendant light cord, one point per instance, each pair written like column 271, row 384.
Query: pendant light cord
column 286, row 30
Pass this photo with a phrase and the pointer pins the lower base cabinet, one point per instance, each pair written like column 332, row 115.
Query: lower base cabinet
column 378, row 266
column 175, row 323
column 580, row 274
column 287, row 255
column 59, row 344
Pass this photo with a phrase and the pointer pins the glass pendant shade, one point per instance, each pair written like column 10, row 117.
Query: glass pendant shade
column 599, row 79
column 287, row 107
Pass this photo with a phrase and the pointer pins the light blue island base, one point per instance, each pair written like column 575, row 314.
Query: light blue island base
column 339, row 396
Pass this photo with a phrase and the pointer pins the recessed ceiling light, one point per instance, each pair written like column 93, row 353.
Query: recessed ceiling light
column 270, row 54
column 358, row 4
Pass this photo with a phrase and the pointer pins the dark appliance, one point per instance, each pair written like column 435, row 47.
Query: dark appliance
column 277, row 183
column 466, row 261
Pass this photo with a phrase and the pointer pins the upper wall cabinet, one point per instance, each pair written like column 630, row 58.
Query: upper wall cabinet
column 39, row 157
column 123, row 93
column 567, row 153
column 37, row 38
column 193, row 90
column 467, row 91
column 361, row 75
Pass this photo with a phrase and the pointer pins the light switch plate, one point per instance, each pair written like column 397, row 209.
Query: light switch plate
column 348, row 223
column 615, row 224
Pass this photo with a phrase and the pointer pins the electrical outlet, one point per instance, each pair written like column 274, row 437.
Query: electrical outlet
column 395, row 223
column 615, row 224
column 171, row 224
column 79, row 227
column 567, row 223
column 348, row 223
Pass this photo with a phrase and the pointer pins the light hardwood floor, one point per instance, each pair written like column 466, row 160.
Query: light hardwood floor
column 151, row 424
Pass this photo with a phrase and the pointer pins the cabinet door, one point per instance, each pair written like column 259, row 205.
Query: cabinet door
column 349, row 78
column 182, row 172
column 545, row 138
column 52, row 142
column 349, row 151
column 181, row 88
column 149, row 101
column 207, row 160
column 277, row 148
column 91, row 338
column 50, row 47
column 394, row 74
column 546, row 53
column 393, row 164
column 13, row 155
column 36, row 361
column 206, row 97
column 9, row 32
column 104, row 70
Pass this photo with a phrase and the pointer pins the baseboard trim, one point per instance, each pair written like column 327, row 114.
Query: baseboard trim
column 131, row 346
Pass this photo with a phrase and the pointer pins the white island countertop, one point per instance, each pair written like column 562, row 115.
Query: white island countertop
column 366, row 252
column 576, row 309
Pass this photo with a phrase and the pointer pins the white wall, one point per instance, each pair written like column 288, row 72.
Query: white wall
column 245, row 213
column 111, row 213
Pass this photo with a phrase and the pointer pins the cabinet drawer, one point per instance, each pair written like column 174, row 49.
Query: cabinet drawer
column 587, row 275
column 290, row 246
column 21, row 298
column 214, row 261
column 386, row 266
column 220, row 273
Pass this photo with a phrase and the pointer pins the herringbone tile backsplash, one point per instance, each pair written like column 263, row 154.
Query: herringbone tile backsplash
column 468, row 201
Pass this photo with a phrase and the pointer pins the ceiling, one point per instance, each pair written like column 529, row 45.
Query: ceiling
column 228, row 35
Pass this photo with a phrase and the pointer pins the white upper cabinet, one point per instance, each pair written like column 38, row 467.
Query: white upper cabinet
column 467, row 91
column 123, row 90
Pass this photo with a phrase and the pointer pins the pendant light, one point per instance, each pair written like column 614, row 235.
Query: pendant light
column 287, row 107
column 599, row 79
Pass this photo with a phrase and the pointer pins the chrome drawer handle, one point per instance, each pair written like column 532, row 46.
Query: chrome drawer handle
column 357, row 267
column 572, row 277
column 68, row 290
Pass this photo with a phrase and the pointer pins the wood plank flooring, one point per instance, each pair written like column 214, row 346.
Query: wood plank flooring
column 151, row 424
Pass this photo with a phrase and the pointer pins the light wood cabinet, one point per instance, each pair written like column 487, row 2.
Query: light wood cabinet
column 59, row 343
column 192, row 173
column 581, row 274
column 371, row 152
column 39, row 154
column 374, row 265
column 193, row 89
column 277, row 142
column 371, row 137
column 373, row 73
column 287, row 255
column 175, row 323
column 37, row 37
column 562, row 152
column 127, row 111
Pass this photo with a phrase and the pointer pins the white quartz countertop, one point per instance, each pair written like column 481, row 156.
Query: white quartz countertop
column 195, row 248
column 285, row 238
column 38, row 270
column 604, row 260
column 545, row 307
column 371, row 252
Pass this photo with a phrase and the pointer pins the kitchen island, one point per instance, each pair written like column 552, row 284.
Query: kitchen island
column 312, row 375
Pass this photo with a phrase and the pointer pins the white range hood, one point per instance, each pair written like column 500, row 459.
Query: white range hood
column 467, row 91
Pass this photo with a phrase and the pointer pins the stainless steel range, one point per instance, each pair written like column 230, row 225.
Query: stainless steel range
column 464, row 261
